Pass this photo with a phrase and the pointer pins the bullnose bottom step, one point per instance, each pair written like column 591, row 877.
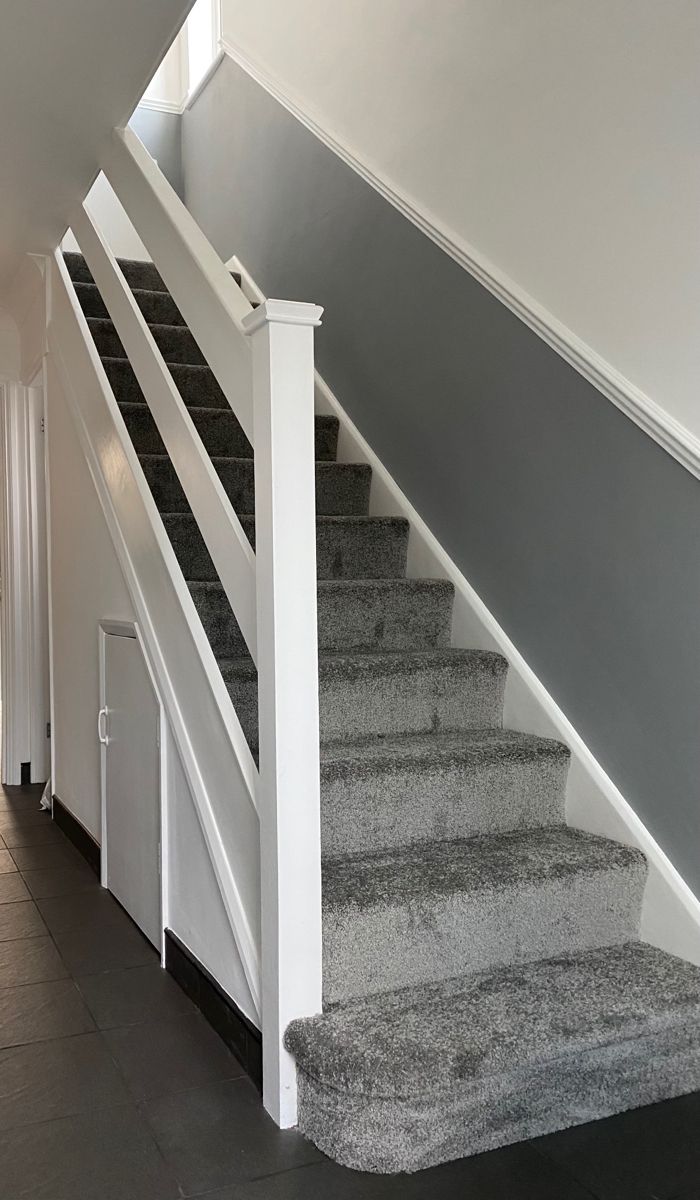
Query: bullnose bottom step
column 423, row 1075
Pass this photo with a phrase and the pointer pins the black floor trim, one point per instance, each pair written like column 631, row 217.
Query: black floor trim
column 78, row 835
column 222, row 1013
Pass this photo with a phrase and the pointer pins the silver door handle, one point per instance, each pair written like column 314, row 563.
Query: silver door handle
column 102, row 726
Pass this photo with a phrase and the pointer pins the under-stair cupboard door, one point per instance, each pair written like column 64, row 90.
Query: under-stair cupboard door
column 129, row 730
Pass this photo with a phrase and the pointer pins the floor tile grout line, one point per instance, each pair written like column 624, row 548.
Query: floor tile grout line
column 564, row 1169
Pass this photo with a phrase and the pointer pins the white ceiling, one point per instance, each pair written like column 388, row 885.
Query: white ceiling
column 69, row 72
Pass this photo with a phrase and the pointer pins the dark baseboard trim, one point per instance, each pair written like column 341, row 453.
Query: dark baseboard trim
column 222, row 1013
column 78, row 835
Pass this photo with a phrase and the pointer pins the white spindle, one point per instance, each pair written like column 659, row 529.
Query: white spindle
column 289, row 800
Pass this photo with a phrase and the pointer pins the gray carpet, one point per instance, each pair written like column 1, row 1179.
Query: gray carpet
column 483, row 978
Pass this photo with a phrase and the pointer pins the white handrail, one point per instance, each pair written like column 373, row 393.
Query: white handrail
column 209, row 300
column 218, row 523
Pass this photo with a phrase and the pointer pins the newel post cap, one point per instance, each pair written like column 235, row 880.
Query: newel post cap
column 282, row 312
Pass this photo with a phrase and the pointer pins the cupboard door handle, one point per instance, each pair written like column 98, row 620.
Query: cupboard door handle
column 102, row 726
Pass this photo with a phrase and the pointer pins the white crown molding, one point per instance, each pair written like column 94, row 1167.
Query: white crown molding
column 163, row 106
column 631, row 400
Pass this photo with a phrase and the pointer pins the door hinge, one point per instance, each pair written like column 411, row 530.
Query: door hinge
column 42, row 425
column 48, row 729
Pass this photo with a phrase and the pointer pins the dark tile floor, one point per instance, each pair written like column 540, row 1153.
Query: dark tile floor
column 113, row 1087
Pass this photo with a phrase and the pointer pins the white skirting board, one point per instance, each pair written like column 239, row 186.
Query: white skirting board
column 671, row 912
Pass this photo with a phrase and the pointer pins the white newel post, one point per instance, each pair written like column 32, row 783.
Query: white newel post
column 285, row 552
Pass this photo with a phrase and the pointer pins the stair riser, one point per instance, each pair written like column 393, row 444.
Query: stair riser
column 400, row 616
column 341, row 489
column 433, row 696
column 369, row 949
column 345, row 549
column 175, row 343
column 219, row 430
column 454, row 697
column 157, row 307
column 409, row 803
column 392, row 1135
column 196, row 385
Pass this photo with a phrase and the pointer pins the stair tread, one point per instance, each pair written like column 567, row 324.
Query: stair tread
column 182, row 330
column 136, row 292
column 485, row 863
column 430, row 1038
column 470, row 745
column 325, row 464
column 400, row 584
column 388, row 661
column 342, row 521
column 321, row 418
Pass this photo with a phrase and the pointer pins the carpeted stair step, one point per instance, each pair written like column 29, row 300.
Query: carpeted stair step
column 196, row 384
column 442, row 909
column 411, row 1078
column 220, row 431
column 346, row 547
column 341, row 488
column 380, row 695
column 157, row 307
column 353, row 614
column 138, row 274
column 175, row 342
column 402, row 791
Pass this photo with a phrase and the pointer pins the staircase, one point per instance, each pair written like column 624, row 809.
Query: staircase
column 482, row 974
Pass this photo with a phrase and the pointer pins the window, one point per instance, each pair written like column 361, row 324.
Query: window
column 202, row 30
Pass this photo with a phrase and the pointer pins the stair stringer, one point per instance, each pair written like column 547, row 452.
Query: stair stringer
column 670, row 916
column 217, row 763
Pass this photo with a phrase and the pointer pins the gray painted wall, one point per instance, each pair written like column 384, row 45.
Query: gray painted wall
column 160, row 134
column 578, row 531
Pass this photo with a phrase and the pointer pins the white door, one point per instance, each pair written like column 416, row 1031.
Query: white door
column 132, row 784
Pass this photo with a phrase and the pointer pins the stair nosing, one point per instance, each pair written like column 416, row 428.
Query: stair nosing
column 637, row 1025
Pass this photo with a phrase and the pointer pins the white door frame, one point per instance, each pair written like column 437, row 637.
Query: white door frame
column 24, row 651
column 130, row 629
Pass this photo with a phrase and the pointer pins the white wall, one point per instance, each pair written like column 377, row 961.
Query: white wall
column 86, row 586
column 25, row 299
column 9, row 346
column 559, row 139
column 110, row 217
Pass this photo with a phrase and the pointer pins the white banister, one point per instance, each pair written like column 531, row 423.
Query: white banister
column 289, row 799
column 209, row 300
column 218, row 523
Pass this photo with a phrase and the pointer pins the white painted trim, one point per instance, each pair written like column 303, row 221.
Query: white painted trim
column 210, row 71
column 211, row 304
column 281, row 334
column 130, row 629
column 162, row 106
column 17, row 606
column 670, row 911
column 49, row 577
column 625, row 395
